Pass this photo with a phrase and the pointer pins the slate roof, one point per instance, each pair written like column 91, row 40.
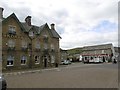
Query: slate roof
column 55, row 34
column 17, row 20
column 37, row 29
column 27, row 28
column 96, row 47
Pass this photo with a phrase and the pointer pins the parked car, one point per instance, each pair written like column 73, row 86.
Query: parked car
column 98, row 60
column 69, row 62
column 3, row 83
column 94, row 60
column 65, row 62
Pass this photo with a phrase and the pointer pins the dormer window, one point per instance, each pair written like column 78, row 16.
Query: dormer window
column 45, row 38
column 52, row 47
column 12, row 30
column 31, row 34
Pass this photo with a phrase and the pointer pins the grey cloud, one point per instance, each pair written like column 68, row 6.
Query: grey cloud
column 21, row 11
column 61, row 13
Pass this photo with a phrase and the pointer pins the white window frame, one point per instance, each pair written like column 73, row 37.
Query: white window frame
column 38, row 60
column 24, row 44
column 31, row 34
column 103, row 51
column 12, row 28
column 23, row 58
column 52, row 59
column 52, row 46
column 11, row 43
column 10, row 58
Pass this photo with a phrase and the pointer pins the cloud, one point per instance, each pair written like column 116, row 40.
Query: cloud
column 79, row 22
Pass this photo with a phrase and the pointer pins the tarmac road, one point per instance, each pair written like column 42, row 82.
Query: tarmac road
column 72, row 76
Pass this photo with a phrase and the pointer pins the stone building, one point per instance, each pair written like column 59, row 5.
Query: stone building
column 28, row 46
column 104, row 51
column 64, row 54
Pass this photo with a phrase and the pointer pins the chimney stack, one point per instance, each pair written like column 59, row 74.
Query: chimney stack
column 28, row 20
column 53, row 26
column 1, row 13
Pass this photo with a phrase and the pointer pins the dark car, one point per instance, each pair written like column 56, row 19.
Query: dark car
column 3, row 84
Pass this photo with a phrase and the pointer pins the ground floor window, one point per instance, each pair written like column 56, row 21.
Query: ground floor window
column 37, row 59
column 10, row 60
column 52, row 59
column 23, row 60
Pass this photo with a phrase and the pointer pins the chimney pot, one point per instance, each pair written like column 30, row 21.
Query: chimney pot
column 28, row 20
column 53, row 26
column 1, row 13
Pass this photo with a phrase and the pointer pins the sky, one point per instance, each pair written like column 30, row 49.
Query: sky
column 79, row 22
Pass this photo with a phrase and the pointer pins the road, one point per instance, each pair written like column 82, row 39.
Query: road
column 71, row 76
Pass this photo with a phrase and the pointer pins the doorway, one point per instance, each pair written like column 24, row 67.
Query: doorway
column 45, row 61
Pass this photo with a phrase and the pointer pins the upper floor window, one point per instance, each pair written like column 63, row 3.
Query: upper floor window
column 11, row 43
column 24, row 44
column 52, row 46
column 31, row 34
column 37, row 44
column 12, row 29
column 10, row 60
column 103, row 51
column 45, row 38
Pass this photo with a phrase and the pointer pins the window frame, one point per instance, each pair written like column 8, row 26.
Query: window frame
column 24, row 59
column 24, row 44
column 11, row 29
column 37, row 59
column 9, row 59
column 11, row 43
column 52, row 59
column 37, row 44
